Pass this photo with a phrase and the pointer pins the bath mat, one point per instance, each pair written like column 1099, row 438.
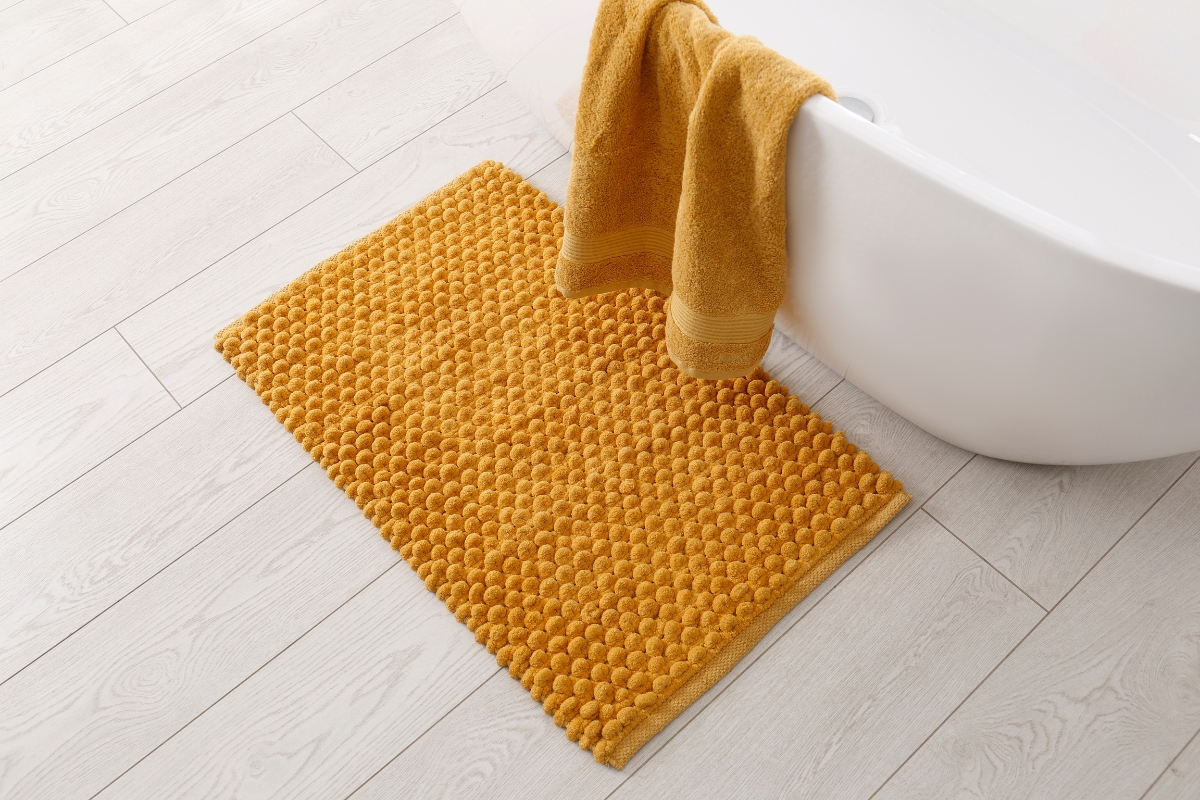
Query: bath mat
column 618, row 533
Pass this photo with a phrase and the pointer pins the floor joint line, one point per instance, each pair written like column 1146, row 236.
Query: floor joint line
column 1029, row 633
column 178, row 405
column 104, row 610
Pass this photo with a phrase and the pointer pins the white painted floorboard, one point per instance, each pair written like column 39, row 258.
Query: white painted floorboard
column 188, row 636
column 59, row 425
column 62, row 300
column 322, row 717
column 36, row 33
column 190, row 608
column 81, row 184
column 84, row 548
column 403, row 94
column 96, row 84
column 1102, row 695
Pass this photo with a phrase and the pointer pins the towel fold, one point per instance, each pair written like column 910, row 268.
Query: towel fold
column 677, row 180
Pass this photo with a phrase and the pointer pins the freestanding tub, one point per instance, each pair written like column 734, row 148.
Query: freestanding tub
column 1008, row 252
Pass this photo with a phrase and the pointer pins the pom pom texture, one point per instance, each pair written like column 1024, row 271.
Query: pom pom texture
column 609, row 527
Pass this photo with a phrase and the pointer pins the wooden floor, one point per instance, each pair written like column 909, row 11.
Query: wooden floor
column 190, row 608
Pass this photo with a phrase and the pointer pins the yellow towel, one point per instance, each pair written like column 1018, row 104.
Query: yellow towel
column 677, row 182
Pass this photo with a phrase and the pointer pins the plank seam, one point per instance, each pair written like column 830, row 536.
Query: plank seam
column 178, row 405
column 984, row 560
column 151, row 577
column 118, row 13
column 258, row 669
column 433, row 725
column 214, row 155
column 1168, row 766
column 336, row 152
column 67, row 55
column 1034, row 628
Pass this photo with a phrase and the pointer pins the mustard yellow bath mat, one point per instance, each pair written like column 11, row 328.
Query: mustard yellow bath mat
column 619, row 534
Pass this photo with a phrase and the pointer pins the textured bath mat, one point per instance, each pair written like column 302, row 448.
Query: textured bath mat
column 617, row 533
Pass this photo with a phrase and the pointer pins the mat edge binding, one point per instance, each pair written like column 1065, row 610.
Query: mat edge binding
column 734, row 650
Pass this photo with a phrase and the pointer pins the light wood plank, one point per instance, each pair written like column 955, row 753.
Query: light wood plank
column 1102, row 695
column 1182, row 778
column 136, row 9
column 81, row 92
column 37, row 33
column 921, row 461
column 94, row 705
column 1044, row 527
column 83, row 549
column 88, row 180
column 74, row 415
column 326, row 714
column 843, row 698
column 175, row 334
column 520, row 745
column 498, row 743
column 373, row 112
column 136, row 256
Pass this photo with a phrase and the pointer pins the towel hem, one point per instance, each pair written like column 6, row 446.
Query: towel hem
column 719, row 329
column 620, row 286
column 640, row 239
column 701, row 375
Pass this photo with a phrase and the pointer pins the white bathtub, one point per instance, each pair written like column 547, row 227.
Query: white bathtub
column 1009, row 254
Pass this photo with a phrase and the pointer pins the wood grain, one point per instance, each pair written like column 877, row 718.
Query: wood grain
column 175, row 334
column 91, row 707
column 1102, row 695
column 149, row 248
column 842, row 699
column 1044, row 527
column 498, row 743
column 81, row 550
column 1181, row 778
column 88, row 180
column 74, row 415
column 85, row 90
column 326, row 714
column 37, row 33
column 406, row 92
column 523, row 25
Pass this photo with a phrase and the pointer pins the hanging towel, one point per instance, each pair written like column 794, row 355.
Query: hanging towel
column 677, row 180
